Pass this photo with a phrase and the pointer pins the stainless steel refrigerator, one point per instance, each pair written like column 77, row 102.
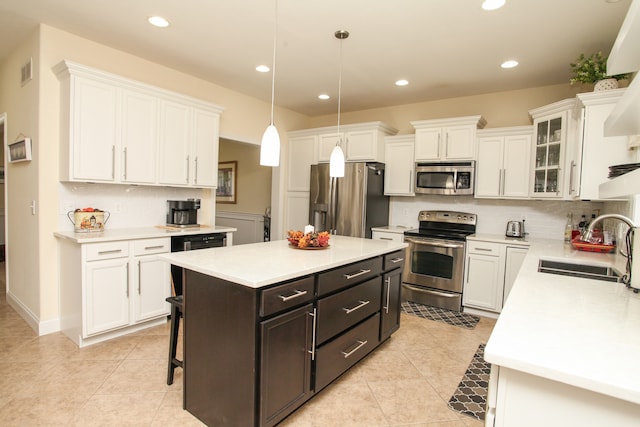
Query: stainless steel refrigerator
column 351, row 205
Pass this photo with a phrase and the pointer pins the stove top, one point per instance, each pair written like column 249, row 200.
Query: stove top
column 444, row 225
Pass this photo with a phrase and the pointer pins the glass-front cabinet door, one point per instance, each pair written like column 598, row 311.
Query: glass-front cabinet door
column 548, row 155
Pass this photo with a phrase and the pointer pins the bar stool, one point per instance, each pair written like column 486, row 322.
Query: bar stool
column 176, row 313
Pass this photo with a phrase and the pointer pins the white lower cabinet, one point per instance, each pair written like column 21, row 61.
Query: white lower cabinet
column 109, row 289
column 490, row 269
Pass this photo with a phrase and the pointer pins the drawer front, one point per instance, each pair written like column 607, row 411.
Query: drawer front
column 152, row 246
column 286, row 296
column 348, row 275
column 393, row 260
column 340, row 311
column 335, row 357
column 381, row 235
column 483, row 248
column 107, row 250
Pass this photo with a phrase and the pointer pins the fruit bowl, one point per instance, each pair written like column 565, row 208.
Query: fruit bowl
column 314, row 240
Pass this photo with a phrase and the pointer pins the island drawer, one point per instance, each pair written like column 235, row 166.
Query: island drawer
column 348, row 275
column 107, row 250
column 283, row 297
column 340, row 311
column 393, row 260
column 335, row 357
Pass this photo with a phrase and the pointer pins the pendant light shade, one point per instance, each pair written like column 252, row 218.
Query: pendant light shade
column 270, row 146
column 336, row 161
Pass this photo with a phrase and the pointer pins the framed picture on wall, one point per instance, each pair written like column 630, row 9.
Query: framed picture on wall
column 227, row 191
column 20, row 151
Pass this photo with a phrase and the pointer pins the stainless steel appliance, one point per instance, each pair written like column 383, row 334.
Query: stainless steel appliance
column 183, row 213
column 351, row 205
column 191, row 243
column 447, row 178
column 434, row 267
column 515, row 229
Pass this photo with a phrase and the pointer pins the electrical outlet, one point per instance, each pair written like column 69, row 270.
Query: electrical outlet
column 405, row 212
column 117, row 208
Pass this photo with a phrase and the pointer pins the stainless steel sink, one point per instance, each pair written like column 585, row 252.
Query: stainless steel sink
column 579, row 270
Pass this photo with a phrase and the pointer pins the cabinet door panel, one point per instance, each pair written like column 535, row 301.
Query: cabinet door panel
column 361, row 146
column 139, row 137
column 302, row 153
column 459, row 143
column 326, row 142
column 517, row 151
column 483, row 287
column 390, row 321
column 94, row 130
column 427, row 145
column 174, row 144
column 205, row 149
column 106, row 295
column 514, row 259
column 399, row 169
column 285, row 367
column 489, row 167
column 152, row 286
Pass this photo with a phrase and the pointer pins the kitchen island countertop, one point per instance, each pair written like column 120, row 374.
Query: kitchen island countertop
column 115, row 234
column 260, row 264
column 581, row 332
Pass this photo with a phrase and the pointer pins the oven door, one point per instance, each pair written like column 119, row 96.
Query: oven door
column 435, row 263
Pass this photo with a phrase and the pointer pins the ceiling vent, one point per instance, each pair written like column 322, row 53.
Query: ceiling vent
column 26, row 72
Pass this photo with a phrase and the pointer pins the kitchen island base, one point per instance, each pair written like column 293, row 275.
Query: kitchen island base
column 252, row 356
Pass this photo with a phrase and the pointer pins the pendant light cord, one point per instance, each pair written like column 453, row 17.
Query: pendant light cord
column 273, row 63
column 339, row 89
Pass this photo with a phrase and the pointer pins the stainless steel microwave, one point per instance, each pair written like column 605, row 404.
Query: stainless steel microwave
column 448, row 178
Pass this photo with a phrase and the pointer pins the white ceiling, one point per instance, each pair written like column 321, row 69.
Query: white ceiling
column 445, row 48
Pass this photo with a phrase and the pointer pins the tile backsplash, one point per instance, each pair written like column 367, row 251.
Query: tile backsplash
column 543, row 218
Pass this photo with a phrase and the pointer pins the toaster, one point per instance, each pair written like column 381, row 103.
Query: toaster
column 515, row 229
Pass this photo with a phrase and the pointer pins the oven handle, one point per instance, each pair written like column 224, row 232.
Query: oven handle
column 431, row 291
column 433, row 243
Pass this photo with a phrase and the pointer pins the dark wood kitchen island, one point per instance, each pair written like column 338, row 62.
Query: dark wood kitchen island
column 266, row 325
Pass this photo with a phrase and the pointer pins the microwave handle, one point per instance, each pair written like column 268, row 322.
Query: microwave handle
column 455, row 180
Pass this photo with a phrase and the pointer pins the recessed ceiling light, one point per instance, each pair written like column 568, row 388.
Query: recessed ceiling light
column 263, row 68
column 509, row 64
column 492, row 4
column 323, row 96
column 402, row 82
column 158, row 21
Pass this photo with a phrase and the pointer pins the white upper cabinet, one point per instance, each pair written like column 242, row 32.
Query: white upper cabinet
column 399, row 165
column 362, row 142
column 447, row 139
column 503, row 162
column 116, row 130
column 302, row 154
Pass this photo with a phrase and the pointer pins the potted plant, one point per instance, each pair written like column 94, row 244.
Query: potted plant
column 593, row 69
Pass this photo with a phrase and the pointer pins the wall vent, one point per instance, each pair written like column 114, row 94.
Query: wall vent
column 26, row 72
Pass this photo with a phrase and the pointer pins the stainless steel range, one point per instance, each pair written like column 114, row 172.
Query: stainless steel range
column 434, row 268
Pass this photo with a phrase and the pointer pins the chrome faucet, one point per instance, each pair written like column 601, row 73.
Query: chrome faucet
column 589, row 231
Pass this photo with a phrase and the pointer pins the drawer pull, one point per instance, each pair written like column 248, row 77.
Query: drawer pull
column 359, row 306
column 385, row 238
column 387, row 281
column 396, row 260
column 148, row 248
column 295, row 295
column 113, row 251
column 360, row 345
column 313, row 336
column 359, row 273
column 483, row 249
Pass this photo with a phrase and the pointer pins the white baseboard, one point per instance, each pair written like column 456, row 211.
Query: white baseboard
column 40, row 327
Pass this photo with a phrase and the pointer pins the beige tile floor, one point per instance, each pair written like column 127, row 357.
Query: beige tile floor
column 48, row 381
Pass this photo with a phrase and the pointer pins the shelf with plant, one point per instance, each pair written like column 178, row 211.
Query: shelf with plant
column 592, row 69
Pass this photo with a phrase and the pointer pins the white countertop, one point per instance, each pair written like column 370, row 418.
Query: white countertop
column 501, row 238
column 109, row 235
column 259, row 264
column 577, row 331
column 399, row 229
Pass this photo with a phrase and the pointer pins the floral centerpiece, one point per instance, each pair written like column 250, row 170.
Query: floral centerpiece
column 314, row 240
column 593, row 69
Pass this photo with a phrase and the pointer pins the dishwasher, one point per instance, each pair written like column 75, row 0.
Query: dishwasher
column 192, row 242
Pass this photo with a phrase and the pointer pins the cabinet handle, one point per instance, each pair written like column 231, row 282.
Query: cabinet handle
column 483, row 249
column 148, row 248
column 295, row 295
column 112, row 251
column 187, row 180
column 385, row 238
column 573, row 165
column 359, row 273
column 502, row 181
column 439, row 142
column 358, row 346
column 113, row 162
column 124, row 161
column 410, row 181
column 313, row 335
column 195, row 175
column 396, row 260
column 468, row 270
column 388, row 283
column 357, row 307
column 127, row 268
column 446, row 146
column 139, row 277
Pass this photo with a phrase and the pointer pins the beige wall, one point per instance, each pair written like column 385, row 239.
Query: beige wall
column 254, row 181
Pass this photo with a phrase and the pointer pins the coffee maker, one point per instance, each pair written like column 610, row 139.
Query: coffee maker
column 183, row 213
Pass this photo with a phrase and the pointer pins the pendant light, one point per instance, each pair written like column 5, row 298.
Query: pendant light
column 336, row 161
column 270, row 146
